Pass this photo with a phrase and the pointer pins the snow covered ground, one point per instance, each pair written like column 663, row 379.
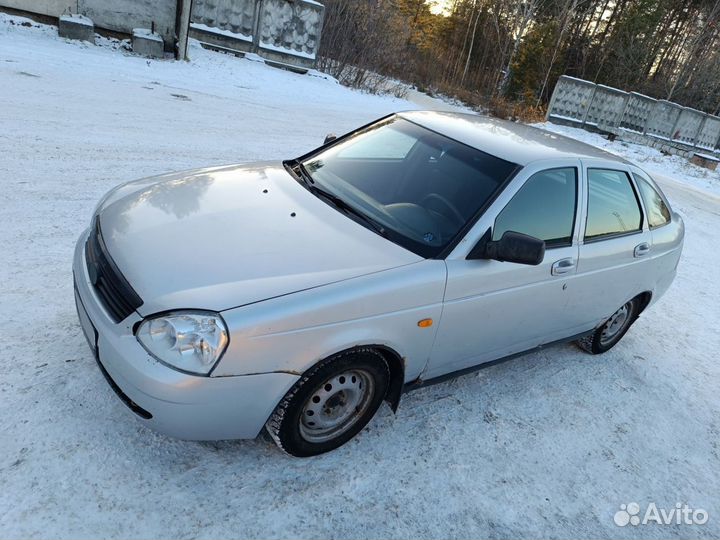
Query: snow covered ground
column 548, row 445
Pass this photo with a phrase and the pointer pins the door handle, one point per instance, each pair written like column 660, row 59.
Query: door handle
column 641, row 249
column 563, row 266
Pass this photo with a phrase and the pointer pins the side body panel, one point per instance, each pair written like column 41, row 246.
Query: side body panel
column 667, row 245
column 292, row 333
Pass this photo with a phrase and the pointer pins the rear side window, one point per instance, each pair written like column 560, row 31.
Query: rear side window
column 613, row 207
column 544, row 208
column 657, row 211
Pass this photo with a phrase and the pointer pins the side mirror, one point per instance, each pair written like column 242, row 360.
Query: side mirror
column 330, row 137
column 512, row 247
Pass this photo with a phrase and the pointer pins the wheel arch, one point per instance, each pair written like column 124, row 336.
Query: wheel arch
column 395, row 364
column 645, row 298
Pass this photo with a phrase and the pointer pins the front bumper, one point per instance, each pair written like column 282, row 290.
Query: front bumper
column 168, row 401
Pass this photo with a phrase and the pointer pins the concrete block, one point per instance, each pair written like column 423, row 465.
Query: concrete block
column 147, row 43
column 703, row 160
column 76, row 27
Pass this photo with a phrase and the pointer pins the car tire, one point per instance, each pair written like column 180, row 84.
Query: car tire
column 331, row 403
column 607, row 335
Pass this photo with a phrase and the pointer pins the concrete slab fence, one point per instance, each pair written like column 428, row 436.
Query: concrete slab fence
column 278, row 30
column 632, row 116
column 115, row 15
column 283, row 31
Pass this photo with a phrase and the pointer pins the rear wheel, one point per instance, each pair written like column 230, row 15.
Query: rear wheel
column 331, row 403
column 612, row 330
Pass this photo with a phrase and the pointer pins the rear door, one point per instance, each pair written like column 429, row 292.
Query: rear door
column 615, row 242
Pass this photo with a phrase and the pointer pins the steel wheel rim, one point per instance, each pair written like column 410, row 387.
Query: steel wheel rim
column 336, row 405
column 615, row 324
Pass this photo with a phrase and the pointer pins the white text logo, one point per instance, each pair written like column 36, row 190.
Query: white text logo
column 680, row 514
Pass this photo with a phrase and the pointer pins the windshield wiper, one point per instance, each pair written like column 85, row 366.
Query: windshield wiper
column 333, row 199
column 348, row 209
column 302, row 172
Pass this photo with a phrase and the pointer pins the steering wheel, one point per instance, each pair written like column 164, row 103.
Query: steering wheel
column 450, row 206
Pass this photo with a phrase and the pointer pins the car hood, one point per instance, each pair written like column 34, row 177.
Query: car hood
column 225, row 237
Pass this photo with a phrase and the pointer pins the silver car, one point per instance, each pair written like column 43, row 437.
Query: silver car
column 298, row 296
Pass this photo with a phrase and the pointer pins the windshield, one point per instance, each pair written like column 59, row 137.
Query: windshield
column 420, row 188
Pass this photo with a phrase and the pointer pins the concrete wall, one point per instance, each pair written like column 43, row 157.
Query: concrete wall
column 290, row 30
column 571, row 99
column 687, row 126
column 233, row 19
column 662, row 119
column 658, row 123
column 116, row 15
column 281, row 30
column 606, row 107
column 709, row 133
column 124, row 15
column 637, row 111
column 53, row 8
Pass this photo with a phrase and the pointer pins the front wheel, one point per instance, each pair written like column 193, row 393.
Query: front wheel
column 330, row 404
column 612, row 330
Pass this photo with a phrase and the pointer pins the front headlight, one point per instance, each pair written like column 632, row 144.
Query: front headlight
column 191, row 341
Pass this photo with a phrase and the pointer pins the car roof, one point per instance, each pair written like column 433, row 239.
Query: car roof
column 511, row 141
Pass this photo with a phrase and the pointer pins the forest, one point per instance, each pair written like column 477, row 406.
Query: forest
column 506, row 55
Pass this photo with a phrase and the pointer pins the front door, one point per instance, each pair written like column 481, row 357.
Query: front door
column 493, row 309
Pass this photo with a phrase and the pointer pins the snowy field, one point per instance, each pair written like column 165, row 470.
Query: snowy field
column 548, row 445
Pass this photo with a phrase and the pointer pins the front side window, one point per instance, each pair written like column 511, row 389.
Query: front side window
column 613, row 207
column 657, row 211
column 420, row 188
column 544, row 208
